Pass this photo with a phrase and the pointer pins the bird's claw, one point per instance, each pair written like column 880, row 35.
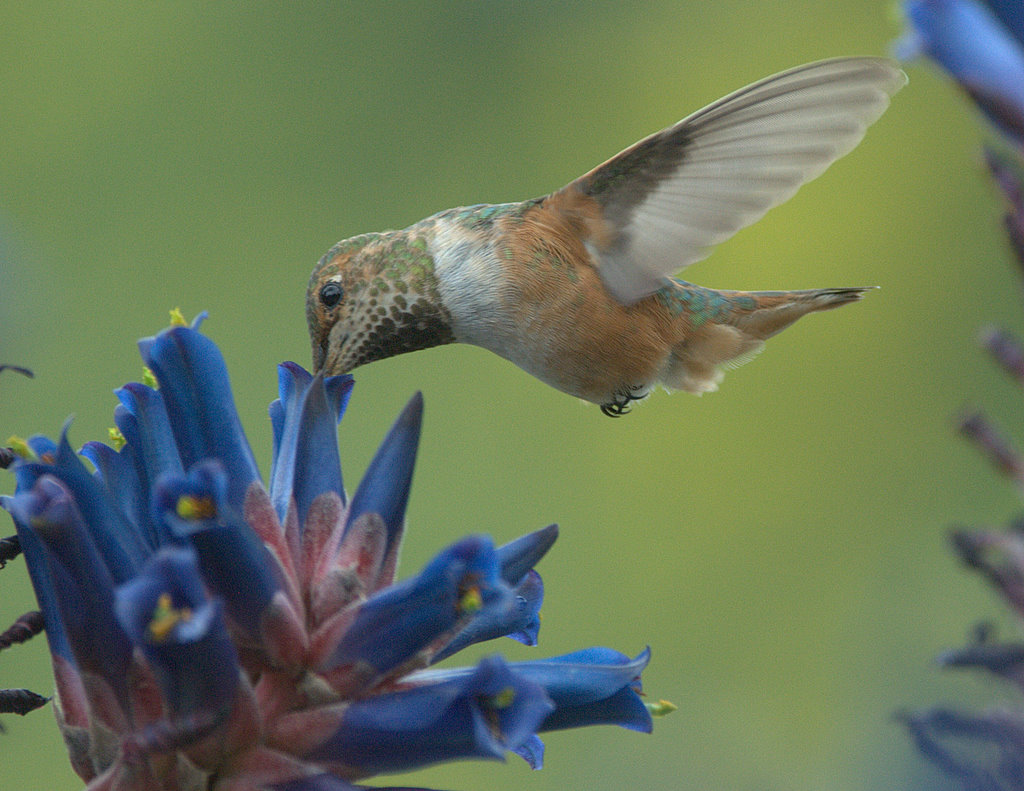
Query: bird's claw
column 620, row 404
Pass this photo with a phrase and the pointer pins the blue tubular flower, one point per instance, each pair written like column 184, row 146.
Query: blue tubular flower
column 43, row 447
column 969, row 42
column 81, row 585
column 149, row 444
column 194, row 383
column 596, row 686
column 42, row 581
column 481, row 714
column 121, row 548
column 207, row 632
column 142, row 411
column 306, row 460
column 394, row 625
column 518, row 619
column 119, row 473
column 236, row 565
column 168, row 616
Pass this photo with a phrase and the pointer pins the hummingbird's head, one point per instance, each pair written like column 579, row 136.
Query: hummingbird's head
column 370, row 297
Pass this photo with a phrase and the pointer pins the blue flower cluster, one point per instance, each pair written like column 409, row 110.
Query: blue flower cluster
column 207, row 632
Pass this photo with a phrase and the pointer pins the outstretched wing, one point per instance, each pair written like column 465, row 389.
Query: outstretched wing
column 663, row 202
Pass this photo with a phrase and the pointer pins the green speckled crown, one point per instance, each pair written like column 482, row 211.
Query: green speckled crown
column 390, row 285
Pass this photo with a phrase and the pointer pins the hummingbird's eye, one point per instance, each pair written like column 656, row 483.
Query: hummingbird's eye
column 331, row 294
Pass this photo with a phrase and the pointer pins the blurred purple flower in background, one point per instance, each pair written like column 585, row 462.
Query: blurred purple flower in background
column 981, row 45
column 206, row 632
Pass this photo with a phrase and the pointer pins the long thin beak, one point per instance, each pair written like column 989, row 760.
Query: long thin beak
column 319, row 354
column 327, row 363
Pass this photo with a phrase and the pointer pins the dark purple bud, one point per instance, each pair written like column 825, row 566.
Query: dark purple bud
column 991, row 442
column 24, row 628
column 20, row 701
column 1006, row 350
column 10, row 548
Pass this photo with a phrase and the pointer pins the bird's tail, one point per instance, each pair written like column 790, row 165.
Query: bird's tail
column 773, row 311
column 699, row 363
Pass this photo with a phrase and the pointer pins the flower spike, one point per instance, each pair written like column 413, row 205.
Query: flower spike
column 206, row 632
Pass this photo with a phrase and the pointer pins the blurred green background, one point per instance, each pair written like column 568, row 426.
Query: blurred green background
column 780, row 543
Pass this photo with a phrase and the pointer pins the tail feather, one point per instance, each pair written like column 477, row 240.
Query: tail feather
column 698, row 364
column 776, row 310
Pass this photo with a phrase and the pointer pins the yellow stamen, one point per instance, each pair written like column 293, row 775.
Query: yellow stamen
column 166, row 617
column 195, row 508
column 503, row 699
column 148, row 379
column 177, row 318
column 117, row 440
column 470, row 600
column 661, row 708
column 19, row 447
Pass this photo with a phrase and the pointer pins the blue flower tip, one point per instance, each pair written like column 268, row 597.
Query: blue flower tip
column 341, row 382
column 294, row 369
column 412, row 414
column 472, row 546
column 65, row 428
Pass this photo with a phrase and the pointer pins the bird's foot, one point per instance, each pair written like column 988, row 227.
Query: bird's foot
column 619, row 405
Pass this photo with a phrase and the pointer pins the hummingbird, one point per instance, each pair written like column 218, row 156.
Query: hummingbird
column 575, row 287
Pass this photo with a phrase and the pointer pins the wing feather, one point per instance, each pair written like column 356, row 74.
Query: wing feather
column 666, row 200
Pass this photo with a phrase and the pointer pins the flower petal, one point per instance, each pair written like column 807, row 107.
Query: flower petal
column 481, row 715
column 42, row 447
column 142, row 420
column 623, row 708
column 118, row 472
column 384, row 489
column 305, row 419
column 156, row 449
column 532, row 751
column 590, row 687
column 39, row 572
column 587, row 675
column 197, row 395
column 292, row 382
column 519, row 556
column 1011, row 14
